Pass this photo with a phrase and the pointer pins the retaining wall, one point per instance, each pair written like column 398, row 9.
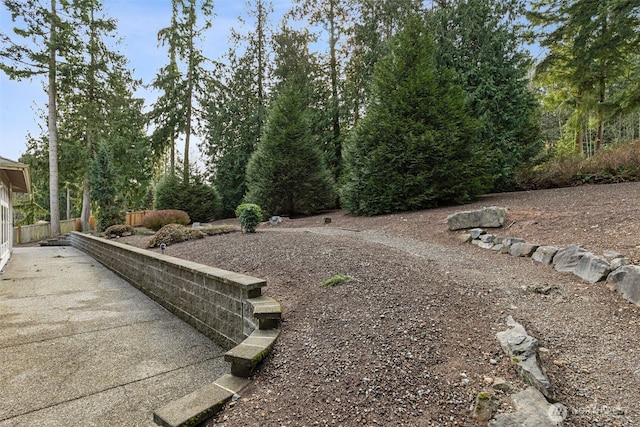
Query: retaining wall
column 212, row 300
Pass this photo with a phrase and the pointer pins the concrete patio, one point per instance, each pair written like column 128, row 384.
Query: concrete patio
column 79, row 346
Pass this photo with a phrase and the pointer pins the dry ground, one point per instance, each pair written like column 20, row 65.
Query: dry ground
column 410, row 341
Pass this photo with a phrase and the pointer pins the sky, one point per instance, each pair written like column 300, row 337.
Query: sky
column 23, row 103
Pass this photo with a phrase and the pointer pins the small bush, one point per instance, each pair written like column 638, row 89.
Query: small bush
column 612, row 164
column 174, row 233
column 157, row 219
column 335, row 280
column 199, row 200
column 560, row 171
column 616, row 163
column 118, row 230
column 215, row 230
column 250, row 216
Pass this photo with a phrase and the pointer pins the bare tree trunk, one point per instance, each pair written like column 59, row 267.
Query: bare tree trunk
column 600, row 137
column 85, row 216
column 54, row 202
column 68, row 202
column 187, row 133
column 335, row 106
column 579, row 141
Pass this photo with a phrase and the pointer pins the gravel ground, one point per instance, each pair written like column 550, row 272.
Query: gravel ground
column 410, row 341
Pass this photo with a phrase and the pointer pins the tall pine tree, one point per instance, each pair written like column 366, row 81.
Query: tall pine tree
column 481, row 42
column 417, row 145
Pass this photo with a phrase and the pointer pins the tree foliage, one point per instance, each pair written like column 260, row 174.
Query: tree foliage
column 103, row 181
column 182, row 81
column 36, row 48
column 481, row 42
column 236, row 107
column 287, row 173
column 592, row 48
column 417, row 145
column 200, row 200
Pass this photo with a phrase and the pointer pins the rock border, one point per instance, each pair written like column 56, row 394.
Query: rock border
column 613, row 268
column 536, row 404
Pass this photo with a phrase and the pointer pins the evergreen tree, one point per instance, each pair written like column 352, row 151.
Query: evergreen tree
column 417, row 145
column 47, row 37
column 96, row 99
column 480, row 41
column 375, row 22
column 333, row 16
column 236, row 108
column 199, row 200
column 103, row 184
column 598, row 43
column 176, row 111
column 287, row 173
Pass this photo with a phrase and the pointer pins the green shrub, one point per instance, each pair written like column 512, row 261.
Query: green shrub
column 215, row 230
column 417, row 147
column 157, row 219
column 250, row 216
column 118, row 230
column 174, row 233
column 335, row 280
column 612, row 164
column 559, row 171
column 199, row 200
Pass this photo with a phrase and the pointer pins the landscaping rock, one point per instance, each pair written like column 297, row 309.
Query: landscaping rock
column 619, row 262
column 476, row 232
column 508, row 241
column 626, row 280
column 487, row 238
column 502, row 385
column 568, row 258
column 545, row 254
column 486, row 245
column 592, row 268
column 465, row 237
column 522, row 349
column 522, row 249
column 492, row 217
column 532, row 410
column 484, row 406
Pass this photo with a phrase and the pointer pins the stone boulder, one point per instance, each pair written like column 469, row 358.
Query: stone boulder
column 492, row 217
column 522, row 249
column 626, row 280
column 592, row 268
column 619, row 262
column 532, row 410
column 522, row 350
column 545, row 254
column 476, row 232
column 568, row 258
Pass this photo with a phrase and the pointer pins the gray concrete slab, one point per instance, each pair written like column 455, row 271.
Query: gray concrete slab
column 79, row 346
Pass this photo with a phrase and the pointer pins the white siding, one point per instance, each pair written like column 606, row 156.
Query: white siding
column 6, row 227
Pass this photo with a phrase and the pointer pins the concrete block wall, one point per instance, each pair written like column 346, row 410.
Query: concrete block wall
column 212, row 300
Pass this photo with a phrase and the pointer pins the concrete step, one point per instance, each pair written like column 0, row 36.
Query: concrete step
column 267, row 310
column 196, row 407
column 249, row 353
column 56, row 241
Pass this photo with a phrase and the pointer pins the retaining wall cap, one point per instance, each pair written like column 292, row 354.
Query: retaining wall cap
column 199, row 405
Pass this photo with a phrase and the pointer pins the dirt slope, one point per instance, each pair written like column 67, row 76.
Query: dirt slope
column 410, row 340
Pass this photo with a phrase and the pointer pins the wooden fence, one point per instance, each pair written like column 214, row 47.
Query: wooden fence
column 37, row 232
column 135, row 219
